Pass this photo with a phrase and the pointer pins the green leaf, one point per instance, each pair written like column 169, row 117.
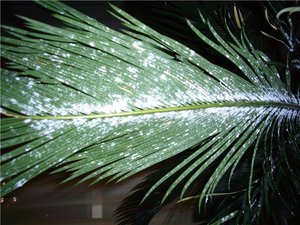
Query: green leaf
column 108, row 104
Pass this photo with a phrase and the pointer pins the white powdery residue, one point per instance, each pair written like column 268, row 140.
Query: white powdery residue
column 138, row 45
column 160, row 117
column 132, row 69
column 192, row 94
column 37, row 67
column 192, row 53
column 78, row 122
column 27, row 121
column 225, row 81
column 85, row 108
column 124, row 154
column 143, row 26
column 163, row 77
column 118, row 80
column 224, row 112
column 118, row 104
column 159, row 96
column 229, row 96
column 102, row 69
column 93, row 55
column 46, row 127
column 60, row 160
column 112, row 144
column 165, row 42
column 36, row 154
column 269, row 94
column 67, row 55
column 20, row 183
column 71, row 36
column 30, row 108
column 157, row 148
column 47, row 99
column 63, row 111
column 186, row 96
column 149, row 60
column 34, row 106
column 265, row 58
column 2, row 110
column 92, row 44
column 228, row 217
column 54, row 58
column 146, row 102
column 35, row 94
column 115, row 39
column 286, row 113
column 100, row 163
column 135, row 156
column 189, row 116
column 30, row 84
column 111, row 122
column 13, row 101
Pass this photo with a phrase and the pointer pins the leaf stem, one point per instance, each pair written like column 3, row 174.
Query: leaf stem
column 160, row 110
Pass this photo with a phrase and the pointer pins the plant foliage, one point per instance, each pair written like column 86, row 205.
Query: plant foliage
column 107, row 104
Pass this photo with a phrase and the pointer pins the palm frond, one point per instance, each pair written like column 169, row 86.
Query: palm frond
column 102, row 103
column 132, row 211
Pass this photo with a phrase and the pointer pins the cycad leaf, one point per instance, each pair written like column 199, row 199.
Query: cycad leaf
column 104, row 104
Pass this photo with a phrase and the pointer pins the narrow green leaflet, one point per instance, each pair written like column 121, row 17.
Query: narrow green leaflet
column 108, row 104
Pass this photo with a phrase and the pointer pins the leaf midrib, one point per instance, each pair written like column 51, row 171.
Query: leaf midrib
column 163, row 110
